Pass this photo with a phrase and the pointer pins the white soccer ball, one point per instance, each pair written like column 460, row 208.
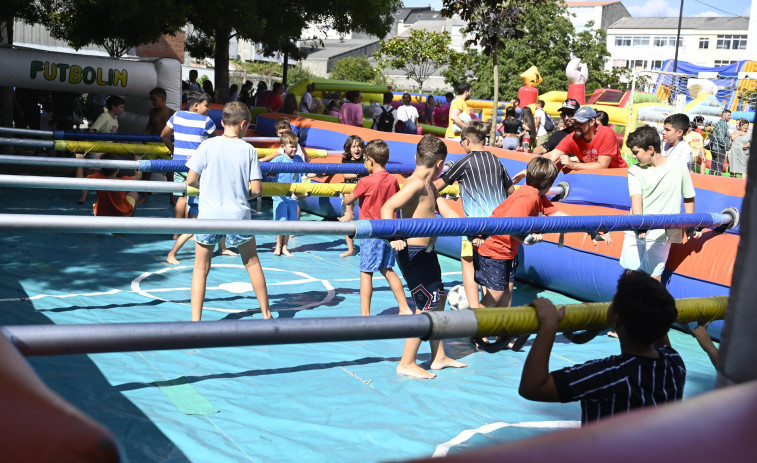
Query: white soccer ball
column 457, row 299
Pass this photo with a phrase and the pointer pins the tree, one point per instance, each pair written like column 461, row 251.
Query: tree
column 491, row 25
column 278, row 29
column 116, row 26
column 353, row 68
column 549, row 42
column 419, row 55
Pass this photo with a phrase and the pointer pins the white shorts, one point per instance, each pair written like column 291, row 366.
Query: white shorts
column 649, row 256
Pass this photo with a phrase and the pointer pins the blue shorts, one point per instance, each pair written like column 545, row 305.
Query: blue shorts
column 180, row 177
column 232, row 241
column 375, row 254
column 193, row 205
column 422, row 275
column 284, row 208
column 494, row 273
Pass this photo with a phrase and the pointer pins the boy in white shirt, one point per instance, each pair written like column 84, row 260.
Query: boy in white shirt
column 676, row 126
column 656, row 185
column 408, row 115
column 227, row 171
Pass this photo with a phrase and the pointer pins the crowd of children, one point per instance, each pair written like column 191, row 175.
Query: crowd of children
column 227, row 170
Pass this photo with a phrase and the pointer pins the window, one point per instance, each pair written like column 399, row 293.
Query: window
column 637, row 64
column 667, row 41
column 723, row 62
column 704, row 42
column 731, row 42
column 656, row 65
column 622, row 41
column 628, row 41
column 641, row 41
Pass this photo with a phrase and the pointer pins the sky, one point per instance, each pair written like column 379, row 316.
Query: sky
column 646, row 8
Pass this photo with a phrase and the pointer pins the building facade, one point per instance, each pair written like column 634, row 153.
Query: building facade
column 644, row 43
column 602, row 13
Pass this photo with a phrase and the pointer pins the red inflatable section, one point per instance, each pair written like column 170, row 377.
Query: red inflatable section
column 578, row 92
column 528, row 96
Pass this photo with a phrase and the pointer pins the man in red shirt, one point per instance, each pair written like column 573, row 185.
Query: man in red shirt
column 595, row 146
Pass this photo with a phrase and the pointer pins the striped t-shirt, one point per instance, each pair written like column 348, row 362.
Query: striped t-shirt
column 189, row 130
column 483, row 180
column 620, row 383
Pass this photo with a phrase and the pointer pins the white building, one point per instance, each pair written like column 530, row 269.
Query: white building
column 644, row 43
column 602, row 13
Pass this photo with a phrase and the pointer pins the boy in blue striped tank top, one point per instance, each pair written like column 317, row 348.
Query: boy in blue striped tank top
column 183, row 133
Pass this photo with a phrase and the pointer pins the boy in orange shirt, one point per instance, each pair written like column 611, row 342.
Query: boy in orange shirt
column 496, row 262
column 114, row 203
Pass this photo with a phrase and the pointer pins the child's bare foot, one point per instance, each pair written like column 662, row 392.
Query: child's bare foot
column 447, row 363
column 347, row 253
column 286, row 252
column 172, row 260
column 414, row 371
column 227, row 252
column 277, row 252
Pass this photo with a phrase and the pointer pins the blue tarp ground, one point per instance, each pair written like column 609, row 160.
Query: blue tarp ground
column 306, row 403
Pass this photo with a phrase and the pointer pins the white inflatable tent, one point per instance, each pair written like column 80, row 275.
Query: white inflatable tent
column 131, row 79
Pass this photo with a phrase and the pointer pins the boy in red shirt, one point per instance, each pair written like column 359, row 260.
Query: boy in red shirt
column 114, row 203
column 375, row 254
column 496, row 262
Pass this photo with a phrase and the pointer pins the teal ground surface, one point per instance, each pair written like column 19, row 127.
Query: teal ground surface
column 335, row 402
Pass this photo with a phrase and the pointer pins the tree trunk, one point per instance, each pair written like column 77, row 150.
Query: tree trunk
column 493, row 133
column 221, row 57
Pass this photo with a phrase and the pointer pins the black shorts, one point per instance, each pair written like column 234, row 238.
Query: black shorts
column 493, row 273
column 422, row 275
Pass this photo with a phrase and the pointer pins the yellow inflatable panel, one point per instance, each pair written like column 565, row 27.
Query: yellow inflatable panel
column 316, row 189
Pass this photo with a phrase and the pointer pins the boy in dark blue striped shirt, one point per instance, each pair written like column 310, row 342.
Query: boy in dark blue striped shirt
column 648, row 372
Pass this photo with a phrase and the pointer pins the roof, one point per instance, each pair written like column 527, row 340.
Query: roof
column 570, row 4
column 424, row 16
column 335, row 47
column 739, row 23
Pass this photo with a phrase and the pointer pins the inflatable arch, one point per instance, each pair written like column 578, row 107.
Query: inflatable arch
column 68, row 72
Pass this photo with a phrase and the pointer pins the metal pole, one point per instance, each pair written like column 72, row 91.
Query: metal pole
column 121, row 337
column 67, row 162
column 140, row 225
column 678, row 38
column 59, row 183
column 47, row 144
column 511, row 321
column 385, row 229
column 27, row 132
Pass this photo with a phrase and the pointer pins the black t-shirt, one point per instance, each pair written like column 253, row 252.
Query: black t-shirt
column 556, row 138
column 354, row 161
column 512, row 125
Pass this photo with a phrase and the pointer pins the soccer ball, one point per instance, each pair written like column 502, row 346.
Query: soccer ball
column 457, row 299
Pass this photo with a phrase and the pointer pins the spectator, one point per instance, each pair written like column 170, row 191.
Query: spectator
column 603, row 118
column 194, row 86
column 234, row 92
column 568, row 109
column 539, row 120
column 306, row 102
column 290, row 105
column 207, row 87
column 720, row 141
column 407, row 116
column 351, row 112
column 275, row 103
column 459, row 114
column 428, row 114
column 737, row 158
column 385, row 123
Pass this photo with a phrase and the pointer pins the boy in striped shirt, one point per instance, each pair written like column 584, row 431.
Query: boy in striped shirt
column 647, row 373
column 188, row 129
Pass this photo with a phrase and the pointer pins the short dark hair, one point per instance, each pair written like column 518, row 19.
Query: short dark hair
column 348, row 145
column 726, row 111
column 197, row 97
column 388, row 97
column 474, row 129
column 516, row 99
column 108, row 171
column 511, row 112
column 114, row 101
column 643, row 306
column 541, row 173
column 679, row 121
column 235, row 112
column 377, row 150
column 463, row 87
column 644, row 137
column 159, row 91
column 540, row 103
column 430, row 149
column 282, row 123
column 603, row 118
